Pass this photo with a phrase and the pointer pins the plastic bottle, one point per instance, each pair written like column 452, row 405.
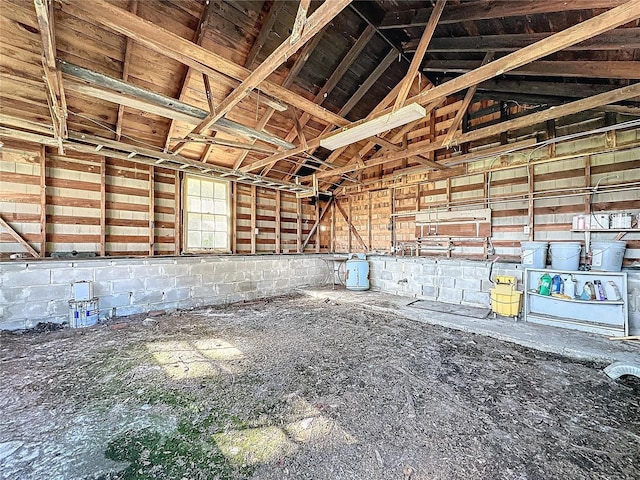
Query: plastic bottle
column 570, row 286
column 545, row 285
column 557, row 285
column 599, row 290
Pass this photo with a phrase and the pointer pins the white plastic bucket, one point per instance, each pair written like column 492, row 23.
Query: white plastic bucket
column 607, row 256
column 565, row 255
column 534, row 254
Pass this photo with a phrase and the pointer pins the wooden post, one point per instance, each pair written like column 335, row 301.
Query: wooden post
column 177, row 222
column 587, row 184
column 234, row 217
column 103, row 206
column 369, row 233
column 43, row 201
column 531, row 206
column 318, row 223
column 152, row 211
column 551, row 134
column 299, row 225
column 349, row 245
column 254, row 194
column 333, row 227
column 278, row 247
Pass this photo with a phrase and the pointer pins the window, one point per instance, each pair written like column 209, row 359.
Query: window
column 207, row 214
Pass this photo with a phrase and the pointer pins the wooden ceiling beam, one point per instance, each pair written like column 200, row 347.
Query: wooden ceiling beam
column 56, row 97
column 618, row 39
column 577, row 33
column 515, row 124
column 486, row 10
column 331, row 83
column 173, row 46
column 299, row 63
column 545, row 68
column 468, row 97
column 316, row 22
column 267, row 24
column 421, row 49
column 552, row 89
column 125, row 71
column 198, row 36
column 116, row 91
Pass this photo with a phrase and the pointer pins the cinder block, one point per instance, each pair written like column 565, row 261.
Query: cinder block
column 147, row 298
column 105, row 274
column 472, row 284
column 246, row 286
column 429, row 291
column 205, row 291
column 475, row 272
column 145, row 271
column 114, row 301
column 386, row 275
column 159, row 283
column 450, row 295
column 176, row 295
column 25, row 278
column 28, row 311
column 70, row 275
column 476, row 298
column 51, row 292
column 225, row 267
column 226, row 288
column 188, row 281
column 129, row 285
column 201, row 269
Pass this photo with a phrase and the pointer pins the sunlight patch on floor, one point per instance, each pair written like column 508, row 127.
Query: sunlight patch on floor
column 201, row 358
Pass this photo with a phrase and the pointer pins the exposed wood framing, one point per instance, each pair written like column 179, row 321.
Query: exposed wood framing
column 265, row 30
column 177, row 213
column 352, row 229
column 577, row 33
column 52, row 78
column 468, row 97
column 544, row 68
column 299, row 248
column 317, row 209
column 173, row 46
column 303, row 56
column 152, row 211
column 234, row 218
column 254, row 224
column 18, row 238
column 103, row 206
column 514, row 124
column 197, row 39
column 613, row 40
column 43, row 201
column 319, row 216
column 416, row 61
column 483, row 10
column 530, row 204
column 300, row 21
column 323, row 15
column 133, row 8
column 278, row 213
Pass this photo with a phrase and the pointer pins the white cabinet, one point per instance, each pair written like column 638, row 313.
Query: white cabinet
column 606, row 317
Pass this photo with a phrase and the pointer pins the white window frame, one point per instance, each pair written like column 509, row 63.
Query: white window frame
column 186, row 213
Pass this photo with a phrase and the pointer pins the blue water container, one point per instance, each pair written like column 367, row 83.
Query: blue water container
column 357, row 277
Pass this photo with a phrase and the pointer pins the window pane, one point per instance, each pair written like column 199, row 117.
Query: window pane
column 208, row 223
column 207, row 240
column 194, row 204
column 195, row 221
column 207, row 205
column 221, row 191
column 220, row 207
column 193, row 239
column 221, row 223
column 193, row 186
column 207, row 189
column 221, row 240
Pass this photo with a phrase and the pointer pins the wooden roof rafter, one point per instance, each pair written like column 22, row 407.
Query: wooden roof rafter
column 133, row 8
column 312, row 25
column 56, row 97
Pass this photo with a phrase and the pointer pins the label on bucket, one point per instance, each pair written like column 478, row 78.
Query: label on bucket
column 596, row 260
column 527, row 257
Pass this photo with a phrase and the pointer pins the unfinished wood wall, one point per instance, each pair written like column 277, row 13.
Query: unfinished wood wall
column 89, row 203
column 560, row 193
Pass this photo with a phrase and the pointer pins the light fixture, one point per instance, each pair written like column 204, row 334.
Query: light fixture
column 373, row 127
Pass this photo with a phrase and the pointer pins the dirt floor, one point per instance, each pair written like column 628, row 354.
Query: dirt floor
column 303, row 388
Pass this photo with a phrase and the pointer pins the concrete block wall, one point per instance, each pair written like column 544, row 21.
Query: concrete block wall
column 464, row 282
column 39, row 291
